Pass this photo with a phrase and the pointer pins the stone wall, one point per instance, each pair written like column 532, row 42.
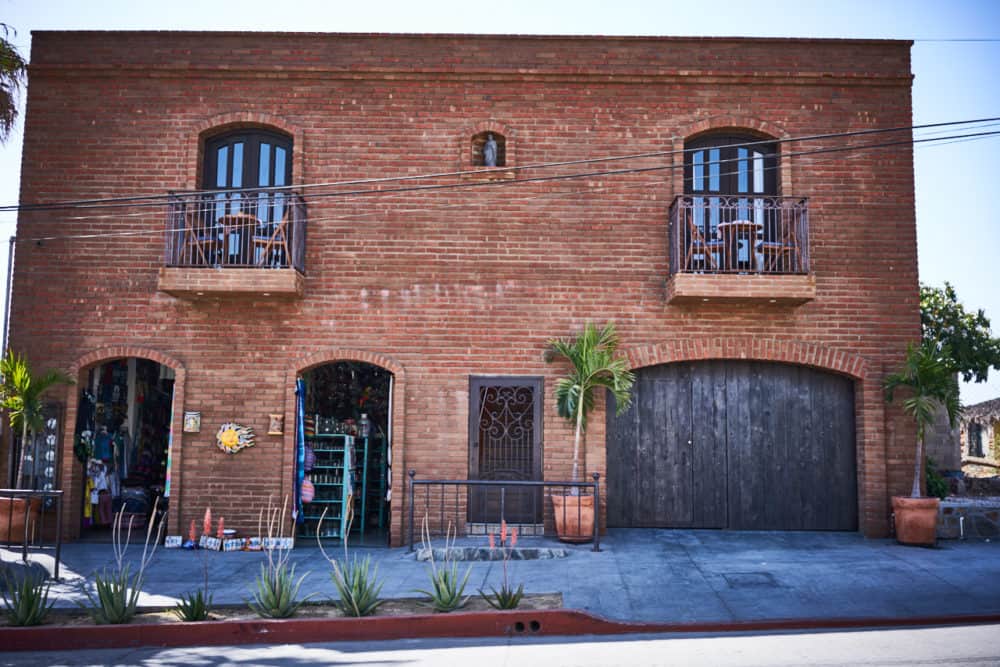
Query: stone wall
column 978, row 518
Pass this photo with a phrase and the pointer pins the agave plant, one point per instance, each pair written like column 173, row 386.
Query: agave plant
column 929, row 375
column 356, row 583
column 277, row 590
column 447, row 591
column 28, row 600
column 193, row 606
column 507, row 597
column 117, row 589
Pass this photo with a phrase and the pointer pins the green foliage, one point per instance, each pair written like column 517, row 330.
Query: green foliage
column 595, row 363
column 593, row 355
column 947, row 325
column 928, row 376
column 358, row 586
column 505, row 598
column 193, row 607
column 21, row 391
column 117, row 596
column 937, row 486
column 447, row 588
column 28, row 601
column 117, row 590
column 21, row 394
column 277, row 591
column 12, row 70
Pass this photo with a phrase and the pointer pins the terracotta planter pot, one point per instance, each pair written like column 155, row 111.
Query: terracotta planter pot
column 916, row 520
column 12, row 518
column 574, row 518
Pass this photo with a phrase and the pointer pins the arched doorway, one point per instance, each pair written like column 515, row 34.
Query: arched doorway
column 122, row 439
column 746, row 445
column 342, row 405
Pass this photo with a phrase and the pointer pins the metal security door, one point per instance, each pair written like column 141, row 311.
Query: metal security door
column 505, row 443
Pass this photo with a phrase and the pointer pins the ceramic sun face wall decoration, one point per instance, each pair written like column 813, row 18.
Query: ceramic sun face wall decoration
column 233, row 437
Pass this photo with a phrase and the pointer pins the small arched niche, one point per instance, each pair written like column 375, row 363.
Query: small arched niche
column 478, row 152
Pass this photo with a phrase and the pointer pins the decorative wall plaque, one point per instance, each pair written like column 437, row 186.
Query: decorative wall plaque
column 192, row 422
column 276, row 424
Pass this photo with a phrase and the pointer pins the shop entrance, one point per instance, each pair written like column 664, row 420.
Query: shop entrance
column 122, row 439
column 344, row 443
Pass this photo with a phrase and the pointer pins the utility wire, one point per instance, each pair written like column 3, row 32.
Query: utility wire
column 156, row 199
column 466, row 205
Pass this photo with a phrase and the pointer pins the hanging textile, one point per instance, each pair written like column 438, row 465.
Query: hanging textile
column 170, row 445
column 300, row 445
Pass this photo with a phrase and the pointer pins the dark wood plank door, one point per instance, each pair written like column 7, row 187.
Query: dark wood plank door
column 505, row 443
column 734, row 444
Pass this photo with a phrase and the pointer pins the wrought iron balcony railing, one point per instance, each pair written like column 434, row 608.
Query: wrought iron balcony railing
column 237, row 229
column 739, row 234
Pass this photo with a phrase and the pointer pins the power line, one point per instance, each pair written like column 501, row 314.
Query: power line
column 157, row 199
column 939, row 141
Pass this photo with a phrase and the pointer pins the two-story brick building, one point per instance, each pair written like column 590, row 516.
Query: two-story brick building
column 326, row 207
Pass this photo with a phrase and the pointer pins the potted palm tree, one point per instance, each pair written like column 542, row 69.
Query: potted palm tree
column 929, row 376
column 595, row 362
column 21, row 394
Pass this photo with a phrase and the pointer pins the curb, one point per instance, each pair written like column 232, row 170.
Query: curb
column 552, row 622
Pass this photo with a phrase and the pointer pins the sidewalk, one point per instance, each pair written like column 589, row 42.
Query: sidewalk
column 673, row 576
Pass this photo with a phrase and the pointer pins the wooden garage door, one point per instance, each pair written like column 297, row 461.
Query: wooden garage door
column 734, row 444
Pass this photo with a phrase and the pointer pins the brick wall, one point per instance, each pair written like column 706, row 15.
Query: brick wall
column 442, row 284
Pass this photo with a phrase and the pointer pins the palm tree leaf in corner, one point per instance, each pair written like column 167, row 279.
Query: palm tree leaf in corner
column 12, row 69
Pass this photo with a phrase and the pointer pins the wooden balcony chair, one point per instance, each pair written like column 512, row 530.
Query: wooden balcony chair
column 698, row 245
column 272, row 242
column 201, row 241
column 781, row 254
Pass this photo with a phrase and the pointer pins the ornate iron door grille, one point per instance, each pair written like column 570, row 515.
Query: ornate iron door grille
column 505, row 443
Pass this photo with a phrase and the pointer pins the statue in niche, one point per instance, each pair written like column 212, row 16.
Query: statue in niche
column 490, row 151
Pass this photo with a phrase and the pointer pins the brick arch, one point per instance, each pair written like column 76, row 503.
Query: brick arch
column 491, row 125
column 782, row 351
column 743, row 123
column 211, row 125
column 124, row 351
column 71, row 473
column 333, row 355
column 303, row 364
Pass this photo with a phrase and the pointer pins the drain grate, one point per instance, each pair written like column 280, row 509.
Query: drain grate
column 750, row 580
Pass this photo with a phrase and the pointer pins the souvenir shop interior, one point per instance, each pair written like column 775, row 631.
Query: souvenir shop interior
column 122, row 439
column 343, row 471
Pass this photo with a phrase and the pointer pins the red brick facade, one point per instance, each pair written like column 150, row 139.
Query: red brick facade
column 438, row 285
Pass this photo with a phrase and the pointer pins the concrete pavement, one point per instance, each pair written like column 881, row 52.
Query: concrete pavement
column 640, row 575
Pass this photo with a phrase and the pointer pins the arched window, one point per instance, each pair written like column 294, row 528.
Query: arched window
column 730, row 186
column 719, row 164
column 243, row 218
column 247, row 159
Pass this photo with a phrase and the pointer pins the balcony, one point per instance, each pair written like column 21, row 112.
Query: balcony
column 739, row 249
column 235, row 243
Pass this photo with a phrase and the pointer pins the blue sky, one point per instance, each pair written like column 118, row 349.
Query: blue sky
column 958, row 232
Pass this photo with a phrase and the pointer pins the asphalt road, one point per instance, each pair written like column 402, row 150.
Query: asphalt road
column 969, row 646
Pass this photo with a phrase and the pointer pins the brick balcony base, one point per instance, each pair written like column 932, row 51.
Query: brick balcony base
column 789, row 290
column 204, row 283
